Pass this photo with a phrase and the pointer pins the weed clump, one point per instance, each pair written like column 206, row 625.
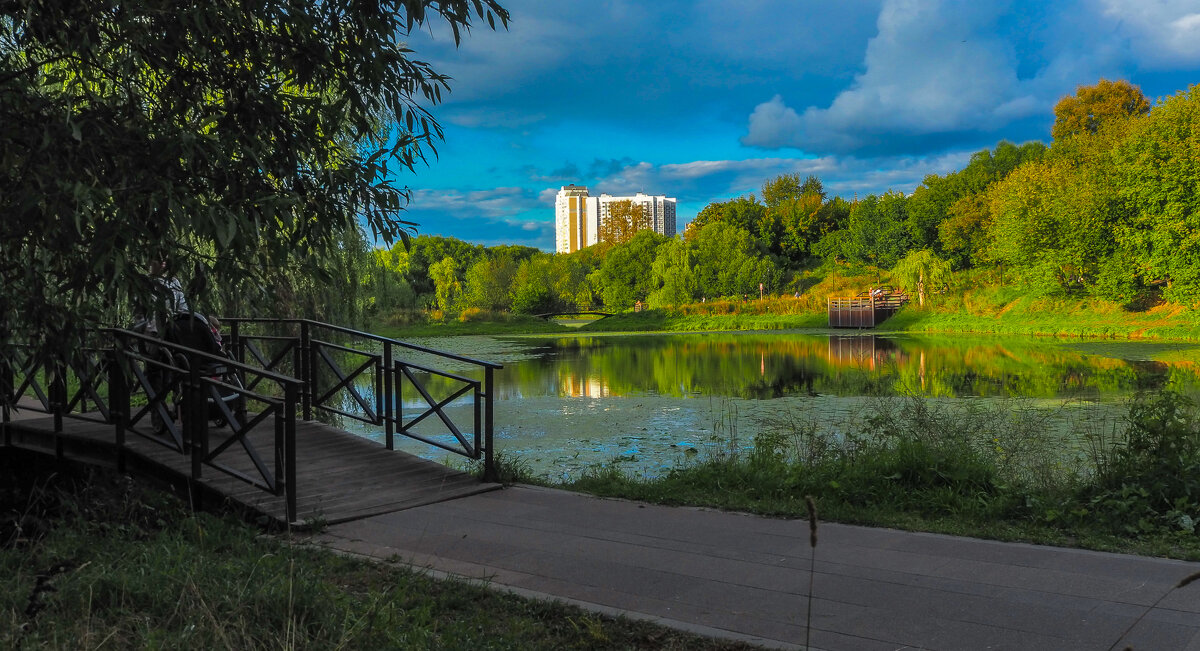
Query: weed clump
column 1150, row 480
column 998, row 471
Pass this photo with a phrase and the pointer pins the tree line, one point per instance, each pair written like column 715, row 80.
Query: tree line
column 1109, row 209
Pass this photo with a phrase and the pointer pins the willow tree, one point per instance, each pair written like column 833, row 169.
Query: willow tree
column 920, row 272
column 236, row 140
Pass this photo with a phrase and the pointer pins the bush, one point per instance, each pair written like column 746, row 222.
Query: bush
column 475, row 314
column 1151, row 480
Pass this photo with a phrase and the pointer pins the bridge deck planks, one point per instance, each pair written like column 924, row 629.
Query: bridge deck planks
column 339, row 476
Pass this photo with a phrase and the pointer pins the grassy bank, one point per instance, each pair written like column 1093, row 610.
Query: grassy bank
column 93, row 560
column 1005, row 310
column 991, row 472
column 976, row 305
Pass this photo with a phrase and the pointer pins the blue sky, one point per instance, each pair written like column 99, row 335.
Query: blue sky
column 703, row 100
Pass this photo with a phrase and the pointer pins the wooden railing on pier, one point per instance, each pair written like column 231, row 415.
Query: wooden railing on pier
column 865, row 310
column 111, row 403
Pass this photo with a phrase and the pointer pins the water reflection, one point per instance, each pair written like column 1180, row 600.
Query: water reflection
column 653, row 401
column 773, row 366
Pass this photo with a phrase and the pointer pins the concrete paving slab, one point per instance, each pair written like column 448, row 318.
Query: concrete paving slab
column 748, row 577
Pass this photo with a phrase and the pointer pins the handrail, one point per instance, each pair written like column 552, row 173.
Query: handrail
column 129, row 364
column 387, row 377
column 278, row 377
column 365, row 335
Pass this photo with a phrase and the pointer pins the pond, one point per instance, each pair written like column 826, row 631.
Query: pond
column 649, row 402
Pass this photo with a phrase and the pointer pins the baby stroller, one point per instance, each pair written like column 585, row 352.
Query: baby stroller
column 224, row 403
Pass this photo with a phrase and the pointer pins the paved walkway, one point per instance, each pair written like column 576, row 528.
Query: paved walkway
column 747, row 577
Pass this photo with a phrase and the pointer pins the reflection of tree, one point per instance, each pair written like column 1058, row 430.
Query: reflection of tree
column 761, row 367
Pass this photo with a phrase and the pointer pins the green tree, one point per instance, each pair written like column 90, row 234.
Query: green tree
column 1092, row 108
column 1053, row 223
column 674, row 274
column 488, row 283
column 424, row 251
column 625, row 275
column 745, row 213
column 877, row 232
column 921, row 272
column 963, row 235
column 1157, row 176
column 237, row 140
column 531, row 289
column 446, row 284
column 729, row 263
column 930, row 204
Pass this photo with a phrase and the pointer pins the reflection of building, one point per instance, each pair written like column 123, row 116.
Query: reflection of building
column 578, row 386
column 578, row 216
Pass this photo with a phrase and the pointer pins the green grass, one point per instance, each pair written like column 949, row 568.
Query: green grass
column 92, row 560
column 1006, row 310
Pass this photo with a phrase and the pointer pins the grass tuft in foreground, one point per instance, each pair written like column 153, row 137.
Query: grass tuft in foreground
column 91, row 560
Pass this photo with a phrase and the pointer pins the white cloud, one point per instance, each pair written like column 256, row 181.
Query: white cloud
column 933, row 68
column 1161, row 33
column 497, row 202
column 714, row 180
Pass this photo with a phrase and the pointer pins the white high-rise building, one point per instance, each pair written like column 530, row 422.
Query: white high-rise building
column 578, row 216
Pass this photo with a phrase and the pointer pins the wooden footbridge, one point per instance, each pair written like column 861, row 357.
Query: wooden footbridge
column 260, row 428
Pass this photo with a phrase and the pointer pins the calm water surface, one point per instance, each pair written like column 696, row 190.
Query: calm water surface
column 648, row 402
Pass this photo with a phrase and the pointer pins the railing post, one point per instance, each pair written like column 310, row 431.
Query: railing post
column 489, row 465
column 58, row 400
column 307, row 369
column 8, row 383
column 118, row 400
column 289, row 445
column 195, row 417
column 235, row 342
column 399, row 389
column 388, row 399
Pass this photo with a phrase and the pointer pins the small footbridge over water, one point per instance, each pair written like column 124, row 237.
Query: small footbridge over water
column 264, row 427
column 553, row 315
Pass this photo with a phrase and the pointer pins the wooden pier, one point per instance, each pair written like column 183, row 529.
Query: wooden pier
column 867, row 309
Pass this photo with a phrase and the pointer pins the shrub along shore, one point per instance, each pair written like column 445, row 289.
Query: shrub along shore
column 993, row 310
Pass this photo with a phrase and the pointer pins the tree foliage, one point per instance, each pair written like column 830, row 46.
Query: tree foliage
column 625, row 219
column 876, row 233
column 237, row 141
column 921, row 272
column 1094, row 107
column 1157, row 174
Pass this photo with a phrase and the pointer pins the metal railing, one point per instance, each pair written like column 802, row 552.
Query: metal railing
column 146, row 387
column 135, row 385
column 364, row 377
column 208, row 387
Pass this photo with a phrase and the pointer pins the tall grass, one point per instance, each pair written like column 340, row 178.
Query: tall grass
column 1002, row 471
